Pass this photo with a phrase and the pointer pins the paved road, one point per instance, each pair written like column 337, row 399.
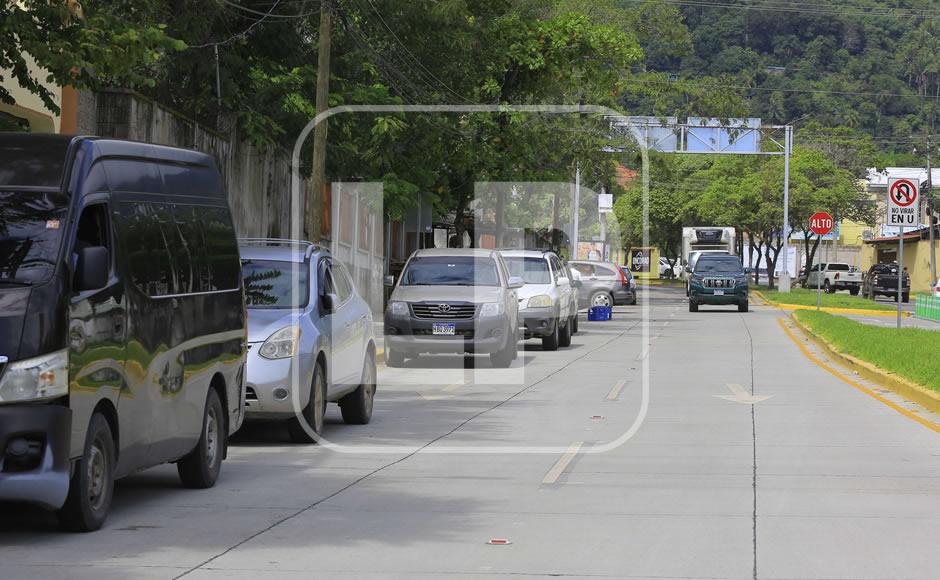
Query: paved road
column 818, row 481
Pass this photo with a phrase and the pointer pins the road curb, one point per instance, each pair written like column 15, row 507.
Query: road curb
column 831, row 309
column 920, row 394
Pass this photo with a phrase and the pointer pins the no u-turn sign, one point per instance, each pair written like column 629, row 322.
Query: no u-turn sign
column 902, row 202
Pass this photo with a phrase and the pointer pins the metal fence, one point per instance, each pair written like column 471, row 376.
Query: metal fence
column 927, row 307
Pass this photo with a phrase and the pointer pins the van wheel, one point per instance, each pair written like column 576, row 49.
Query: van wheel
column 313, row 413
column 357, row 405
column 550, row 342
column 200, row 468
column 564, row 334
column 92, row 486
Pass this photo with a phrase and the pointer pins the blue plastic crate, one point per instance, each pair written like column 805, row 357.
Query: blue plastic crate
column 600, row 313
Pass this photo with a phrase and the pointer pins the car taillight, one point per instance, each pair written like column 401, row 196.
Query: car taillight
column 837, row 276
column 623, row 278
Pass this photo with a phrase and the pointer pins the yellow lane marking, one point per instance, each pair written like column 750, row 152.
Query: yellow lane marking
column 615, row 390
column 866, row 390
column 452, row 387
column 563, row 462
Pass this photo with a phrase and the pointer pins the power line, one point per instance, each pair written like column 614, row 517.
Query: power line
column 241, row 34
column 268, row 14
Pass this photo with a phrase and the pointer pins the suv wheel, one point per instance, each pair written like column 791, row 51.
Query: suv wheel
column 313, row 413
column 743, row 306
column 564, row 334
column 92, row 485
column 550, row 341
column 394, row 358
column 357, row 405
column 693, row 307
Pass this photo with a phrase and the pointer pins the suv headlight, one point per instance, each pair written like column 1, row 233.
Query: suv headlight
column 41, row 377
column 282, row 343
column 492, row 309
column 540, row 301
column 398, row 308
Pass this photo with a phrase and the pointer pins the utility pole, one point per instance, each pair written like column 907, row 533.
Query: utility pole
column 785, row 273
column 930, row 224
column 318, row 176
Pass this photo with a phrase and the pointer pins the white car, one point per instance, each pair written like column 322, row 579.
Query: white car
column 936, row 288
column 548, row 303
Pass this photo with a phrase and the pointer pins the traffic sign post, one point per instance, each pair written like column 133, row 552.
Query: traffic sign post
column 821, row 224
column 902, row 211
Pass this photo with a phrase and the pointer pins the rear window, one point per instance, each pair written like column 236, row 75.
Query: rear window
column 839, row 267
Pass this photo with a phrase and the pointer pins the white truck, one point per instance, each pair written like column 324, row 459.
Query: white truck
column 835, row 276
column 700, row 240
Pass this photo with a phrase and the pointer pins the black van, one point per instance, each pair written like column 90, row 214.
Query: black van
column 122, row 319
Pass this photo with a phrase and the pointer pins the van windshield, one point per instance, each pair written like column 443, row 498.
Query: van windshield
column 31, row 226
column 269, row 284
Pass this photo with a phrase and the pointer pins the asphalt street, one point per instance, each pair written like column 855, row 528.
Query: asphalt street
column 666, row 445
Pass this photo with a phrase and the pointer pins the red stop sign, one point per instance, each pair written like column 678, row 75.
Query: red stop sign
column 821, row 223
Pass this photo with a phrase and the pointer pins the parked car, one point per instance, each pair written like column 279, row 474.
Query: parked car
column 309, row 348
column 122, row 325
column 834, row 276
column 936, row 288
column 457, row 300
column 669, row 271
column 693, row 258
column 631, row 282
column 548, row 307
column 882, row 280
column 603, row 284
column 718, row 280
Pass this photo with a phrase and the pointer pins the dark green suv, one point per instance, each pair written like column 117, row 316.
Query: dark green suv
column 718, row 280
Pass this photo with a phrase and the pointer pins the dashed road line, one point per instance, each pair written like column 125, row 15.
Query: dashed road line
column 615, row 390
column 562, row 464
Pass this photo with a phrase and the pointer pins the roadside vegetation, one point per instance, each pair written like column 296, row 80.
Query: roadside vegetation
column 807, row 297
column 880, row 346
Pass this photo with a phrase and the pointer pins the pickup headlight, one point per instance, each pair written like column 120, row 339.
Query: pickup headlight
column 398, row 308
column 540, row 301
column 42, row 377
column 281, row 344
column 492, row 309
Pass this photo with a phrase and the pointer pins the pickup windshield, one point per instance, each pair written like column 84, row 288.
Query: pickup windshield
column 31, row 225
column 450, row 271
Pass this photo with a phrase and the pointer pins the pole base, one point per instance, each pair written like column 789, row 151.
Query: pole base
column 783, row 283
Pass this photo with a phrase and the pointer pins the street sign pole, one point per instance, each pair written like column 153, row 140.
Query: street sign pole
column 818, row 291
column 900, row 272
column 820, row 223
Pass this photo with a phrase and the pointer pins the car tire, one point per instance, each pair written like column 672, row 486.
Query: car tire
column 743, row 307
column 906, row 297
column 394, row 358
column 601, row 298
column 503, row 358
column 693, row 307
column 91, row 488
column 853, row 291
column 313, row 413
column 199, row 469
column 564, row 334
column 574, row 322
column 357, row 406
column 827, row 287
column 550, row 341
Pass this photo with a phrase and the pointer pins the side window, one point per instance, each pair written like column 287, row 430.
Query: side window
column 221, row 248
column 341, row 281
column 132, row 175
column 193, row 255
column 94, row 229
column 606, row 272
column 557, row 270
column 586, row 270
column 148, row 257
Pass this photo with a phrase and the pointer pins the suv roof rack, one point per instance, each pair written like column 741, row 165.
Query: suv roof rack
column 309, row 247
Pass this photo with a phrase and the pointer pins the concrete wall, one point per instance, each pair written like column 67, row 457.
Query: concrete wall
column 257, row 180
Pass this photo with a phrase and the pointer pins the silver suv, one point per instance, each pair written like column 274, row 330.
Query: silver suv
column 453, row 301
column 322, row 336
column 548, row 306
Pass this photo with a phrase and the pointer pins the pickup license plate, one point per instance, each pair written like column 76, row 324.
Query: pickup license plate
column 443, row 328
column 719, row 292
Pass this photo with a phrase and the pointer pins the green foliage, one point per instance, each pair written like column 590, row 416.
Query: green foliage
column 807, row 297
column 879, row 345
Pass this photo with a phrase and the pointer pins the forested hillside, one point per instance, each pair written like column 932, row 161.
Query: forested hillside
column 870, row 66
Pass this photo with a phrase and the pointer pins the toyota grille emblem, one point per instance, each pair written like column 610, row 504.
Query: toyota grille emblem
column 443, row 307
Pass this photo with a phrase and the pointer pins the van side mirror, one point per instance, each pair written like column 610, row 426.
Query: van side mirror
column 91, row 271
column 328, row 301
column 389, row 280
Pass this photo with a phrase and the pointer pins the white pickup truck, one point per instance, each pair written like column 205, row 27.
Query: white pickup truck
column 835, row 276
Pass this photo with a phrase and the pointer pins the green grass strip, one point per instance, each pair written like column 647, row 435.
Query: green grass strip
column 912, row 353
column 806, row 297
